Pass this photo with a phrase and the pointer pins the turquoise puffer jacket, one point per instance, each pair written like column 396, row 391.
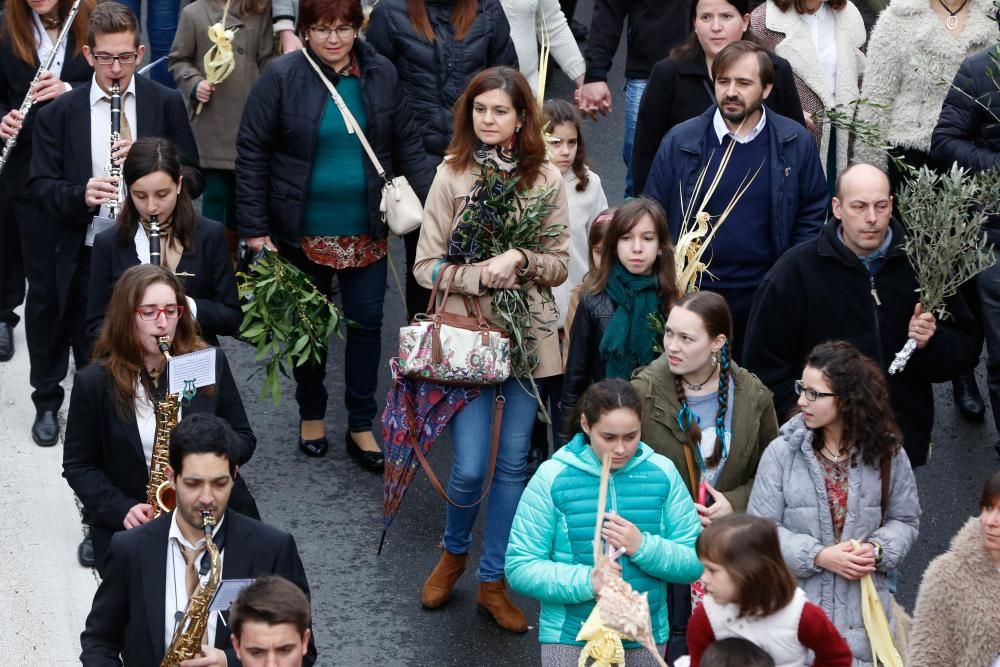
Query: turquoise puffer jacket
column 550, row 553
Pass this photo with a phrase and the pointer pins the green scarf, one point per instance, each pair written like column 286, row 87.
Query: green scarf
column 628, row 341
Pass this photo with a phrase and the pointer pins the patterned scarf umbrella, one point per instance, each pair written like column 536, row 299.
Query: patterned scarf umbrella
column 416, row 414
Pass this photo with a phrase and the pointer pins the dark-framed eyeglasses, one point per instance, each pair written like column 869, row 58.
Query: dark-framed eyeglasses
column 811, row 394
column 151, row 313
column 343, row 32
column 122, row 58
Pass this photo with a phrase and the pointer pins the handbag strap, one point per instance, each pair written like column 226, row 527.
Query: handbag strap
column 494, row 448
column 349, row 120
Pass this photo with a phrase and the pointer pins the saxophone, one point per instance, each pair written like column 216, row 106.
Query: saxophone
column 158, row 491
column 186, row 643
column 114, row 169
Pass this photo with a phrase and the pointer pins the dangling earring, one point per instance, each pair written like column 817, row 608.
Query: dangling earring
column 715, row 359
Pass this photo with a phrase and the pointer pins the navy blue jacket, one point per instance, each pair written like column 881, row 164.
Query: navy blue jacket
column 799, row 196
column 968, row 131
column 276, row 144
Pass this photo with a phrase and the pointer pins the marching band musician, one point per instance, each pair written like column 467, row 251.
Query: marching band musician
column 29, row 32
column 111, row 429
column 193, row 247
column 71, row 151
column 154, row 570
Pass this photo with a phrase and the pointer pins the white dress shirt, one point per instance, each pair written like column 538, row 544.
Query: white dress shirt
column 100, row 126
column 722, row 130
column 44, row 47
column 822, row 26
column 177, row 597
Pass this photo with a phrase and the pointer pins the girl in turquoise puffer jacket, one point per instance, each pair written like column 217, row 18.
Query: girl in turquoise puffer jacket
column 650, row 515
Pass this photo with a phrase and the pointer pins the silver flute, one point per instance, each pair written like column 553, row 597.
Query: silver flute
column 114, row 168
column 29, row 97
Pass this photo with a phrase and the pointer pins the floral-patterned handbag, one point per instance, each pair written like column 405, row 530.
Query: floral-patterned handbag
column 454, row 349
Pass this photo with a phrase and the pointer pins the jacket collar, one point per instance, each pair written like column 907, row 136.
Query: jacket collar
column 578, row 454
column 830, row 245
column 693, row 141
column 797, row 46
column 968, row 544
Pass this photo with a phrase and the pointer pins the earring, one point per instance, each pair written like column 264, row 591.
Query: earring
column 517, row 129
column 715, row 359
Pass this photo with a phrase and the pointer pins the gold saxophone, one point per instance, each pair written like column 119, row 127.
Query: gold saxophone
column 186, row 642
column 158, row 491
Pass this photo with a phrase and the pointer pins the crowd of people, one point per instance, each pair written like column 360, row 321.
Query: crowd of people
column 759, row 455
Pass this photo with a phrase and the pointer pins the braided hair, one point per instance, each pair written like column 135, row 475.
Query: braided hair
column 718, row 321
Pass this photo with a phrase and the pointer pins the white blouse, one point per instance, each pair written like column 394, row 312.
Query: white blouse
column 822, row 27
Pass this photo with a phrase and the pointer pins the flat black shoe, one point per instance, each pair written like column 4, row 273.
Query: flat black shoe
column 85, row 552
column 374, row 461
column 968, row 399
column 45, row 430
column 314, row 448
column 6, row 341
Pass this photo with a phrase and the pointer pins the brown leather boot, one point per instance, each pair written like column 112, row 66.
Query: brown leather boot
column 438, row 587
column 492, row 597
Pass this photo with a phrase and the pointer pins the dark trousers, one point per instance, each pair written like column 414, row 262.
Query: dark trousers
column 51, row 331
column 740, row 302
column 416, row 295
column 362, row 292
column 11, row 265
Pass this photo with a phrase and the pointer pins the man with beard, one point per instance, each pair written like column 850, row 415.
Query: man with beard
column 774, row 158
column 152, row 571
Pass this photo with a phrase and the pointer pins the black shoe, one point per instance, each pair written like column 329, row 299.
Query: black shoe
column 6, row 341
column 85, row 552
column 314, row 448
column 968, row 399
column 45, row 430
column 580, row 31
column 367, row 460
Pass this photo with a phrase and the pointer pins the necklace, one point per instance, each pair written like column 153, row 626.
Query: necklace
column 51, row 22
column 952, row 20
column 830, row 455
column 698, row 387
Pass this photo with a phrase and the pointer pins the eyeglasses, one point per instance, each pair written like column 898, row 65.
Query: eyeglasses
column 811, row 394
column 344, row 32
column 151, row 313
column 122, row 58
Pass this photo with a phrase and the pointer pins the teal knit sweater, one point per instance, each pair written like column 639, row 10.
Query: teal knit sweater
column 549, row 555
column 337, row 196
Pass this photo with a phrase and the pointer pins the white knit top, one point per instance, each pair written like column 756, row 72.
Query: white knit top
column 527, row 18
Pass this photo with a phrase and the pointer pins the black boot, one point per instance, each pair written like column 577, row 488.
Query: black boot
column 967, row 397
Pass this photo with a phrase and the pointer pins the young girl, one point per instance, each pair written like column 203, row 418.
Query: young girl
column 221, row 104
column 550, row 555
column 840, row 488
column 584, row 193
column 611, row 336
column 750, row 593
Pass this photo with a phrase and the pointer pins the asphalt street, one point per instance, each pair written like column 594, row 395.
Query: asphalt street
column 367, row 607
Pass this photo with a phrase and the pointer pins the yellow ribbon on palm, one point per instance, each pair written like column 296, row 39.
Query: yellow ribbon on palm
column 219, row 60
column 877, row 624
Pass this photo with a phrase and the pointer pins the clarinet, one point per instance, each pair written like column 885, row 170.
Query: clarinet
column 154, row 241
column 114, row 169
column 29, row 98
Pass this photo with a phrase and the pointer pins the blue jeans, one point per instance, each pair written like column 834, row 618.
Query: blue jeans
column 161, row 25
column 471, row 430
column 634, row 88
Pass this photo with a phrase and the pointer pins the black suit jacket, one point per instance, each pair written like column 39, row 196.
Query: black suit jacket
column 127, row 617
column 206, row 271
column 61, row 164
column 15, row 77
column 103, row 459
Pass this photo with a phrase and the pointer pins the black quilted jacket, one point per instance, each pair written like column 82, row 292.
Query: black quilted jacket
column 584, row 365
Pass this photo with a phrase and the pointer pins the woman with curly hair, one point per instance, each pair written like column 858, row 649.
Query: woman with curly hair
column 823, row 479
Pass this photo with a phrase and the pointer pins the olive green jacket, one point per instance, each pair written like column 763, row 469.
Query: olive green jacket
column 755, row 425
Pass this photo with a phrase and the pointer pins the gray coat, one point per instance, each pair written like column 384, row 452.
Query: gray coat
column 215, row 127
column 789, row 489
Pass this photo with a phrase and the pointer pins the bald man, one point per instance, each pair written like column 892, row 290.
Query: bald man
column 853, row 282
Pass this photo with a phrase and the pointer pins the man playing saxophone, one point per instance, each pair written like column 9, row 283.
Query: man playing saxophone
column 159, row 576
column 111, row 432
